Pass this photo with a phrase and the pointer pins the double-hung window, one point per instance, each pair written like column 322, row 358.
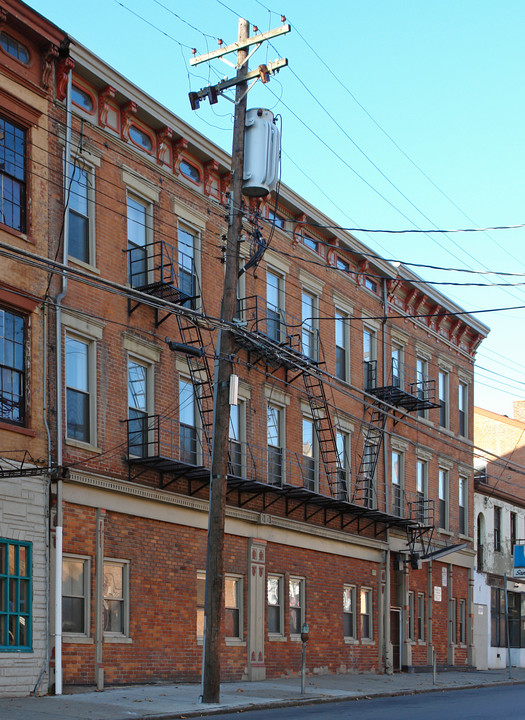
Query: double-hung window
column 369, row 355
column 342, row 440
column 188, row 243
column 349, row 611
column 274, row 305
column 79, row 393
column 443, row 398
column 463, row 497
column 12, row 175
column 274, row 594
column 497, row 528
column 139, row 221
column 309, row 324
column 342, row 346
column 397, row 483
column 275, row 433
column 12, row 367
column 116, row 598
column 75, row 595
column 296, row 604
column 15, row 595
column 309, row 461
column 233, row 607
column 411, row 616
column 366, row 613
column 443, row 498
column 421, row 383
column 138, row 400
column 397, row 365
column 235, row 439
column 421, row 490
column 81, row 204
column 421, row 616
column 463, row 622
column 189, row 435
column 463, row 408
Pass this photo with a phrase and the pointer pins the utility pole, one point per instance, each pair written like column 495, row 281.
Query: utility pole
column 225, row 347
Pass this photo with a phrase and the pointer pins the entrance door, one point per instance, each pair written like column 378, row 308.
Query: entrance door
column 395, row 638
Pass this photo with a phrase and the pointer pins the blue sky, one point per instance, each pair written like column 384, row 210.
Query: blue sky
column 370, row 82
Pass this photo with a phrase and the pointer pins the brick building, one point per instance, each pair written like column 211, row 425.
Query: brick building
column 350, row 486
column 499, row 510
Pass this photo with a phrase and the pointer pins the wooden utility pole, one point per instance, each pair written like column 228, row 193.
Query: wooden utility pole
column 213, row 604
column 221, row 401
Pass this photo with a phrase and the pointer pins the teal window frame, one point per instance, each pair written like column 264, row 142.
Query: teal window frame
column 13, row 616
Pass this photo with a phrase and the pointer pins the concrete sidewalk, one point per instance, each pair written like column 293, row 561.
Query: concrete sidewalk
column 152, row 702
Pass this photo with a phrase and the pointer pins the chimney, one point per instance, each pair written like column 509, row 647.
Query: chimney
column 518, row 407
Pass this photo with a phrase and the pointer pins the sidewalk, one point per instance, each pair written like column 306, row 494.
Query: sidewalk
column 161, row 702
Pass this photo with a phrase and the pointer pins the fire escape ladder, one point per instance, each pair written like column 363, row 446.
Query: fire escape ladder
column 192, row 334
column 325, row 433
column 364, row 485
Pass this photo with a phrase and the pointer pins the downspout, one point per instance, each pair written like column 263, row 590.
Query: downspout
column 59, row 513
column 387, row 647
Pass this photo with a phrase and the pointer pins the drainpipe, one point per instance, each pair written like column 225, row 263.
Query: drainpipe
column 386, row 606
column 59, row 514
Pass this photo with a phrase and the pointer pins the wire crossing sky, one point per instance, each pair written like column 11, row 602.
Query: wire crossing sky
column 395, row 116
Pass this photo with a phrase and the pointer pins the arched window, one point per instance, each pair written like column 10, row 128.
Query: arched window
column 81, row 98
column 14, row 48
column 190, row 171
column 140, row 138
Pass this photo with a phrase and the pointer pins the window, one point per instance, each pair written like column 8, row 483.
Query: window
column 463, row 488
column 370, row 285
column 397, row 364
column 138, row 215
column 397, row 483
column 309, row 324
column 276, row 219
column 453, row 621
column 80, row 201
column 342, row 440
column 411, row 616
column 116, row 612
column 189, row 437
column 421, row 383
column 342, row 265
column 15, row 595
column 12, row 367
column 235, row 434
column 274, row 305
column 79, row 396
column 188, row 248
column 190, row 171
column 420, row 616
column 140, row 138
column 275, row 444
column 462, row 408
column 342, row 345
column 369, row 355
column 366, row 613
column 443, row 398
column 75, row 595
column 274, row 590
column 349, row 614
column 296, row 605
column 14, row 48
column 513, row 530
column 497, row 528
column 12, row 175
column 138, row 408
column 462, row 622
column 233, row 607
column 201, row 595
column 82, row 99
column 421, row 490
column 497, row 618
column 309, row 462
column 311, row 243
column 443, row 498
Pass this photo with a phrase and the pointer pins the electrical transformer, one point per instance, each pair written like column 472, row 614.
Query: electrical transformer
column 262, row 147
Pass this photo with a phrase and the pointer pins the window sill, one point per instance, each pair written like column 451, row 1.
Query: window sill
column 425, row 421
column 351, row 641
column 77, row 639
column 465, row 537
column 295, row 638
column 17, row 233
column 367, row 641
column 234, row 642
column 84, row 265
column 118, row 639
column 277, row 638
column 443, row 531
column 17, row 429
column 83, row 445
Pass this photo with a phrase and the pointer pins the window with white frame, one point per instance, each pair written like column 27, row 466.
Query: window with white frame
column 349, row 611
column 237, row 438
column 188, row 250
column 421, row 383
column 463, row 408
column 420, row 617
column 443, row 378
column 138, row 407
column 116, row 597
column 274, row 305
column 463, row 498
column 309, row 460
column 81, row 212
column 275, row 434
column 80, row 395
column 188, row 426
column 309, row 303
column 296, row 604
column 396, row 355
column 139, row 217
column 233, row 607
column 443, row 498
column 342, row 346
column 421, row 490
column 397, row 459
column 365, row 610
column 342, row 440
column 75, row 595
column 369, row 356
column 275, row 595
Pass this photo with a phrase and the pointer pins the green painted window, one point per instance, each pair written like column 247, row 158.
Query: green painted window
column 15, row 595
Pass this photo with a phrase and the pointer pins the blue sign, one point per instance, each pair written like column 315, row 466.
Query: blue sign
column 519, row 556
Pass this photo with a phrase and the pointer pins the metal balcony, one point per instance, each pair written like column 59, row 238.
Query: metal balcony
column 405, row 388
